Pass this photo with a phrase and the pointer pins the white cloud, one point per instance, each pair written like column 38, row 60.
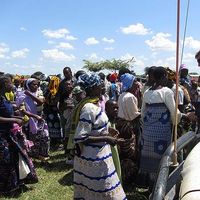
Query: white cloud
column 108, row 40
column 91, row 41
column 3, row 50
column 192, row 43
column 56, row 55
column 109, row 48
column 64, row 45
column 22, row 53
column 171, row 59
column 15, row 65
column 135, row 61
column 94, row 57
column 23, row 29
column 57, row 34
column 127, row 57
column 139, row 62
column 70, row 37
column 160, row 42
column 136, row 29
column 51, row 42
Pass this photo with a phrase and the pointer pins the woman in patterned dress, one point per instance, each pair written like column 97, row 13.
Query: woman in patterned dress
column 95, row 176
column 37, row 128
column 157, row 112
column 15, row 166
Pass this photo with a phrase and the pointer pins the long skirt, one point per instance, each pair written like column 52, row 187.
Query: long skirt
column 95, row 176
column 41, row 141
column 15, row 165
column 155, row 139
column 53, row 122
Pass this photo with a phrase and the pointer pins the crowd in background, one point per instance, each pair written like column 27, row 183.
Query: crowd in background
column 114, row 129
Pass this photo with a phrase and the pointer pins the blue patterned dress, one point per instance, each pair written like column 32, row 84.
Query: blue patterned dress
column 156, row 137
column 95, row 176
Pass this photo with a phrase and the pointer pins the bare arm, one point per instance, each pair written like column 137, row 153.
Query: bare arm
column 36, row 99
column 29, row 114
column 10, row 120
column 95, row 139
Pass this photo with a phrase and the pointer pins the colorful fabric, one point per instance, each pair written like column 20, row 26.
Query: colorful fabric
column 88, row 81
column 183, row 66
column 127, row 81
column 28, row 81
column 10, row 96
column 113, row 77
column 95, row 176
column 156, row 137
column 40, row 141
column 75, row 119
column 171, row 74
column 36, row 131
column 77, row 90
column 114, row 92
column 54, row 85
column 10, row 150
column 53, row 121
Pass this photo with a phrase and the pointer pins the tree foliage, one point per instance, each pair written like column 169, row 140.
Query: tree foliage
column 108, row 64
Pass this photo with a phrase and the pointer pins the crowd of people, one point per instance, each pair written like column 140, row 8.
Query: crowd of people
column 113, row 129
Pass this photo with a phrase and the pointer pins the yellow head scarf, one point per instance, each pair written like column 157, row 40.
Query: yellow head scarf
column 171, row 74
column 53, row 85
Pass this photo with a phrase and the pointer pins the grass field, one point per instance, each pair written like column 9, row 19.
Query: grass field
column 55, row 182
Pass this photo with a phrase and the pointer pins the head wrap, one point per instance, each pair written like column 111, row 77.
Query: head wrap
column 183, row 66
column 171, row 74
column 28, row 81
column 88, row 81
column 77, row 90
column 53, row 85
column 127, row 81
column 113, row 77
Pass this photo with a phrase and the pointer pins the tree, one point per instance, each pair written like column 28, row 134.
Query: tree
column 95, row 67
column 108, row 64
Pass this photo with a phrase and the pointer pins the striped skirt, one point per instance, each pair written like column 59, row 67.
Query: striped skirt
column 95, row 176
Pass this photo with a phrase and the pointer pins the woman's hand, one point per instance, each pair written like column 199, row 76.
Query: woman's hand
column 26, row 92
column 120, row 141
column 113, row 132
column 38, row 118
column 111, row 140
column 19, row 121
column 191, row 116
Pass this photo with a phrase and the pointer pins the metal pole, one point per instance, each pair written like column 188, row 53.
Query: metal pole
column 177, row 83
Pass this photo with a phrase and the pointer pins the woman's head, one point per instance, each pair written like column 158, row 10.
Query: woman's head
column 160, row 76
column 149, row 73
column 183, row 71
column 5, row 84
column 127, row 82
column 68, row 86
column 91, row 84
column 67, row 72
column 122, row 71
column 79, row 73
column 32, row 84
column 113, row 77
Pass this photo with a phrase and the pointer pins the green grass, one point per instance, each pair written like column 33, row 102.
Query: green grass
column 55, row 182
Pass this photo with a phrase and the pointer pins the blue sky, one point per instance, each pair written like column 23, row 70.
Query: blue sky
column 48, row 35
